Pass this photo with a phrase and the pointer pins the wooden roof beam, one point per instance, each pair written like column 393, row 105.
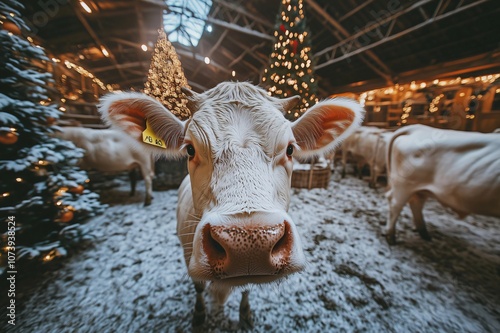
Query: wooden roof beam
column 487, row 63
column 96, row 39
column 212, row 50
column 355, row 10
column 343, row 46
column 381, row 70
column 121, row 66
column 198, row 57
column 239, row 28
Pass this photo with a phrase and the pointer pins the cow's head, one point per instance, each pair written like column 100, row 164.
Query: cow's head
column 240, row 149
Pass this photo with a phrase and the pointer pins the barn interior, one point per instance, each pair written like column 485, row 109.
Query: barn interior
column 376, row 50
column 95, row 232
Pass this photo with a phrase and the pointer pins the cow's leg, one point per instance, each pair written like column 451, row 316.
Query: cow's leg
column 132, row 175
column 246, row 320
column 146, row 174
column 373, row 177
column 199, row 307
column 417, row 202
column 396, row 204
column 344, row 162
column 359, row 169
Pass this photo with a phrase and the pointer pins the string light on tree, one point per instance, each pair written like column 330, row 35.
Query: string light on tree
column 290, row 71
column 82, row 71
column 166, row 78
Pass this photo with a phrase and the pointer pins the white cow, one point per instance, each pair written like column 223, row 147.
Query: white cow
column 460, row 169
column 359, row 147
column 232, row 218
column 108, row 150
column 375, row 152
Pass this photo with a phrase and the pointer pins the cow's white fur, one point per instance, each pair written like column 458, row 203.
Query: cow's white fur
column 368, row 145
column 107, row 150
column 240, row 174
column 460, row 169
column 141, row 101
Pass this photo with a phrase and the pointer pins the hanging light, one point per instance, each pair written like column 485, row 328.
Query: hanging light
column 104, row 51
column 85, row 7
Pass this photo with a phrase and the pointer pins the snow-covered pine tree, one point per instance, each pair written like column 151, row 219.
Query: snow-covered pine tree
column 41, row 187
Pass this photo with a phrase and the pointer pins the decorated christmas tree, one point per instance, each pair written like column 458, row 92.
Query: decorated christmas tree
column 43, row 195
column 290, row 70
column 166, row 78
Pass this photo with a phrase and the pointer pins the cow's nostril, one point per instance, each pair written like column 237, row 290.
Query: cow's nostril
column 283, row 246
column 213, row 249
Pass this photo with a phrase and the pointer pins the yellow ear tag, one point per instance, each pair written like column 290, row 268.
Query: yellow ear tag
column 149, row 137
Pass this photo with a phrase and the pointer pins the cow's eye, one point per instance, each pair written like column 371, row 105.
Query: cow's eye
column 289, row 150
column 190, row 150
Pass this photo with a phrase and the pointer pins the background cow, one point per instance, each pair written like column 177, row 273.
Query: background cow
column 376, row 158
column 460, row 169
column 232, row 218
column 367, row 145
column 108, row 150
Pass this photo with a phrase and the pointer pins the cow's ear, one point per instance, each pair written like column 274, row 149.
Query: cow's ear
column 129, row 112
column 325, row 125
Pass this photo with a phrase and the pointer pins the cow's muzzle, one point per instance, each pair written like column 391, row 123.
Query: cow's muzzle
column 238, row 251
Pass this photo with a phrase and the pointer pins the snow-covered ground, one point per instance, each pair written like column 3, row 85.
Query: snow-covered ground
column 133, row 278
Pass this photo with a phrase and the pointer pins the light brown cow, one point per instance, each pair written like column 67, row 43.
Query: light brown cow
column 232, row 218
column 460, row 169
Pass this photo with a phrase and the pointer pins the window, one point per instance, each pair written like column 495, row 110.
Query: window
column 185, row 21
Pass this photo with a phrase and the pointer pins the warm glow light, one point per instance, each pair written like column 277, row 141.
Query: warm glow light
column 104, row 51
column 85, row 7
column 233, row 73
column 86, row 73
column 19, row 180
column 144, row 47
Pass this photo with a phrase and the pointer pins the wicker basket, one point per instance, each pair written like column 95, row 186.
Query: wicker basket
column 315, row 177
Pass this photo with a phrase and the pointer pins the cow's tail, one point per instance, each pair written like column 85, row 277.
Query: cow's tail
column 388, row 158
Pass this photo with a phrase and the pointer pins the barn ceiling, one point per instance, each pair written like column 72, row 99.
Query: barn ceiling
column 357, row 44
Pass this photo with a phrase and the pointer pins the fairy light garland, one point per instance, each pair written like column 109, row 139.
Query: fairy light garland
column 82, row 71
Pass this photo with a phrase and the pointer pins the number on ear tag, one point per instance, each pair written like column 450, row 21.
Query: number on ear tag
column 149, row 137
